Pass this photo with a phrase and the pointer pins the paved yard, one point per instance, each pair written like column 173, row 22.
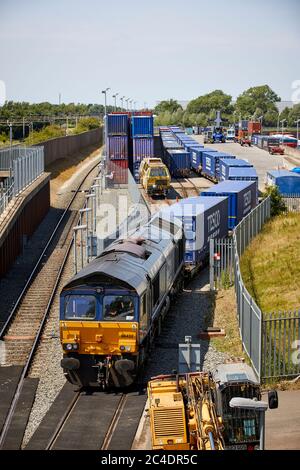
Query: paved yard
column 259, row 158
column 283, row 424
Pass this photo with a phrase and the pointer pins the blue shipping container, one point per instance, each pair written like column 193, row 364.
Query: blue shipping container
column 142, row 126
column 116, row 124
column 117, row 147
column 203, row 218
column 178, row 161
column 242, row 173
column 196, row 157
column 225, row 164
column 242, row 198
column 288, row 182
column 211, row 163
column 189, row 145
column 171, row 144
column 142, row 148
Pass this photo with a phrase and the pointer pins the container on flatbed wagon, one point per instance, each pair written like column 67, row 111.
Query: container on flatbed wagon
column 211, row 164
column 225, row 164
column 287, row 181
column 203, row 218
column 196, row 157
column 242, row 198
column 172, row 144
column 189, row 145
column 242, row 173
column 178, row 161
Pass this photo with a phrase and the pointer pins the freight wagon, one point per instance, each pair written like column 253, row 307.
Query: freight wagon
column 178, row 161
column 196, row 157
column 211, row 164
column 203, row 218
column 241, row 195
column 226, row 163
column 189, row 145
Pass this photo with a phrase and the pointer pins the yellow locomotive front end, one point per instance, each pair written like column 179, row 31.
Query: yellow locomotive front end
column 100, row 336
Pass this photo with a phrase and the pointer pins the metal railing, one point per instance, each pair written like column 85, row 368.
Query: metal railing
column 6, row 193
column 280, row 345
column 271, row 340
column 24, row 165
column 251, row 225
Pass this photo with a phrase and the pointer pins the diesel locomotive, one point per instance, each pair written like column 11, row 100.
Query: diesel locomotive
column 111, row 309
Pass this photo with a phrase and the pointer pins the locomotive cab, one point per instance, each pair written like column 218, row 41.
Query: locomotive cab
column 99, row 335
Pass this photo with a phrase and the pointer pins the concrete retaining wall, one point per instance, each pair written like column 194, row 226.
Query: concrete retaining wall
column 21, row 220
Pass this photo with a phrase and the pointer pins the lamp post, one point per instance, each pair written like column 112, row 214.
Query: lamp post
column 122, row 99
column 249, row 404
column 297, row 122
column 283, row 120
column 76, row 229
column 115, row 97
column 127, row 103
column 104, row 136
column 105, row 93
column 131, row 101
column 261, row 121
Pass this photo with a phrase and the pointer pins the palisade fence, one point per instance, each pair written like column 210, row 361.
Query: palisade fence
column 20, row 166
column 271, row 340
column 292, row 202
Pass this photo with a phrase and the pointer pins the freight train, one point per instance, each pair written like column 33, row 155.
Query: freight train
column 182, row 154
column 112, row 309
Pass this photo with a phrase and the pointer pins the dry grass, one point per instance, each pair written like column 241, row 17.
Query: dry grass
column 225, row 316
column 63, row 169
column 271, row 265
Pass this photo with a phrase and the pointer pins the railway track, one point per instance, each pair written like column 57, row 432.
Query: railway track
column 23, row 328
column 186, row 189
column 92, row 420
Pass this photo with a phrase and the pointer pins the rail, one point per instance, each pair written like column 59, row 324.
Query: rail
column 47, row 310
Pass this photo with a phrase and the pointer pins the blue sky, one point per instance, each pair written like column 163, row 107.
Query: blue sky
column 146, row 50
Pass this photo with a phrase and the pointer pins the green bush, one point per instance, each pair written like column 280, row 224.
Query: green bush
column 277, row 204
column 47, row 133
column 86, row 124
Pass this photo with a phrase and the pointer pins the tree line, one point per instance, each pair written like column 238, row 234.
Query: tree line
column 254, row 103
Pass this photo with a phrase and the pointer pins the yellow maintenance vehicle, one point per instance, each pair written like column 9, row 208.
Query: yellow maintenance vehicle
column 216, row 410
column 154, row 176
column 183, row 414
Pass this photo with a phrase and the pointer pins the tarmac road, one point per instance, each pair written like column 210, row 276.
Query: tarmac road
column 283, row 424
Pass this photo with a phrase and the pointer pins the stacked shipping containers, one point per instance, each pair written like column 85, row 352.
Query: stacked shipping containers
column 142, row 141
column 116, row 140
